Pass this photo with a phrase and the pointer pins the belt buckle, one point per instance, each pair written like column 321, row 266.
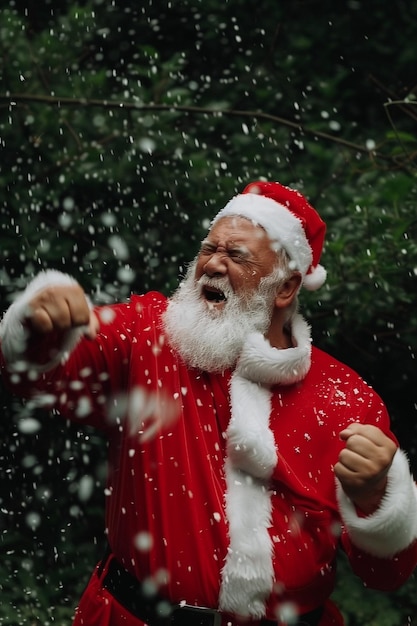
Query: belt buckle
column 202, row 616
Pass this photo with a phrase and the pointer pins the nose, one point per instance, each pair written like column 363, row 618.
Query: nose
column 216, row 265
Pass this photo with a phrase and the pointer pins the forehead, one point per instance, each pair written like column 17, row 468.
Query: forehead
column 238, row 230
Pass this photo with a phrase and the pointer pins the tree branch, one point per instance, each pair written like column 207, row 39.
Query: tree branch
column 17, row 98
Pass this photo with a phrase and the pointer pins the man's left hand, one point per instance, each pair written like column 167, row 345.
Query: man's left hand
column 363, row 465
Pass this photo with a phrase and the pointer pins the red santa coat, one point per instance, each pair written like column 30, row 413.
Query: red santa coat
column 165, row 514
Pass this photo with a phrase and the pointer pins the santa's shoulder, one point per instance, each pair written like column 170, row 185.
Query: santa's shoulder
column 151, row 302
column 328, row 371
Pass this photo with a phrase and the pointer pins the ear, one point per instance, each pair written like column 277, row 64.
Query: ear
column 288, row 291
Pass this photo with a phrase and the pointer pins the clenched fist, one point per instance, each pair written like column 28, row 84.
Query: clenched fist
column 61, row 308
column 363, row 465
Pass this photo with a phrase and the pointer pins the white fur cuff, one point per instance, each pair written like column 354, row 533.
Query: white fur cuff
column 13, row 334
column 393, row 527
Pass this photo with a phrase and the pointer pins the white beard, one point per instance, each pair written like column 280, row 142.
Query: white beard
column 211, row 339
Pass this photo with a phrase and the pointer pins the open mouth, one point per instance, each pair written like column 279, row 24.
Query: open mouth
column 213, row 295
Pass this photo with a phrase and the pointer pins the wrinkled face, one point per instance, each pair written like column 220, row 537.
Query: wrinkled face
column 235, row 256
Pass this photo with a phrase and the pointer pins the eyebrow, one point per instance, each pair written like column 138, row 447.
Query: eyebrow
column 240, row 249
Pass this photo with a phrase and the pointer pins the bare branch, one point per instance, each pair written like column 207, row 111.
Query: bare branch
column 14, row 99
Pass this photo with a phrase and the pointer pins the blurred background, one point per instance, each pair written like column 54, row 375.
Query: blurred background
column 124, row 127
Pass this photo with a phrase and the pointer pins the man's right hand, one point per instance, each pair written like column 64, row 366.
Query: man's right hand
column 60, row 309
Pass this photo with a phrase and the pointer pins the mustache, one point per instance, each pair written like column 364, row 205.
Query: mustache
column 221, row 283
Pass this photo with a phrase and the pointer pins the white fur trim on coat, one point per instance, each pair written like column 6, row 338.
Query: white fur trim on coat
column 248, row 574
column 393, row 526
column 260, row 362
column 14, row 335
column 250, row 441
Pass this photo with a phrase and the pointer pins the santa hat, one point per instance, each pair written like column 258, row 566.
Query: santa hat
column 289, row 220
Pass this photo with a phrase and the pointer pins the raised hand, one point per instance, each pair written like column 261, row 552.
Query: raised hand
column 59, row 309
column 363, row 465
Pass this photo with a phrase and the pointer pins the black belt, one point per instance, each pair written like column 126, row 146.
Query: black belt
column 145, row 604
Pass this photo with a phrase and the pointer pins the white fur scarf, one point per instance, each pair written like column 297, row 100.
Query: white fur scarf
column 248, row 575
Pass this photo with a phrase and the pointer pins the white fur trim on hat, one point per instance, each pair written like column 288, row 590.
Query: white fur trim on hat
column 281, row 225
column 14, row 335
column 315, row 278
column 393, row 526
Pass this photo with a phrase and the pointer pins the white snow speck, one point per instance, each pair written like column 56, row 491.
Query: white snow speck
column 29, row 426
column 143, row 541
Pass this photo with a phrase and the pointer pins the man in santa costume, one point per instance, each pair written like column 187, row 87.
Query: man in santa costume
column 240, row 457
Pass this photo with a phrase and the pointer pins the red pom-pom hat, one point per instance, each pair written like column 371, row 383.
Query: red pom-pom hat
column 289, row 220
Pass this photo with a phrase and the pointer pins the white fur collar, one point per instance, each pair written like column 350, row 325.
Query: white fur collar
column 261, row 363
column 248, row 576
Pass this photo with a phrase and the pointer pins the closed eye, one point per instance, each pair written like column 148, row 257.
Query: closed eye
column 207, row 249
column 238, row 255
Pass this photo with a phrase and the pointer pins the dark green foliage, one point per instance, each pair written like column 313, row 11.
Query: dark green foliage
column 372, row 608
column 124, row 127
